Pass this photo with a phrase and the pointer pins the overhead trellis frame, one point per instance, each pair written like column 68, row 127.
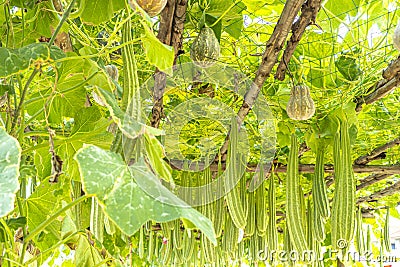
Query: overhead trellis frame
column 274, row 45
column 390, row 190
column 171, row 29
column 377, row 153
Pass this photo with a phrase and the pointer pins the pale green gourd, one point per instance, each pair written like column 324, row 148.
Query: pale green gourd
column 205, row 49
column 300, row 105
column 152, row 7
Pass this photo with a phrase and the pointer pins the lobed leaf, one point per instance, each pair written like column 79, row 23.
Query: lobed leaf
column 16, row 60
column 127, row 204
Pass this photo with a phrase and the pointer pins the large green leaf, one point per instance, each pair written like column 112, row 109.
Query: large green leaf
column 43, row 202
column 23, row 3
column 15, row 60
column 98, row 11
column 346, row 8
column 70, row 95
column 227, row 12
column 129, row 205
column 86, row 254
column 89, row 128
column 234, row 27
column 263, row 7
column 333, row 14
column 10, row 153
column 348, row 67
column 41, row 18
column 157, row 53
column 229, row 9
column 317, row 45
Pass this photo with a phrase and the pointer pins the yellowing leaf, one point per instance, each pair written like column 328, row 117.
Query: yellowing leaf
column 157, row 53
column 155, row 153
column 98, row 11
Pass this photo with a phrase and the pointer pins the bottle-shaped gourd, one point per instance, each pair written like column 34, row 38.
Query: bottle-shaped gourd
column 300, row 105
column 152, row 7
column 205, row 49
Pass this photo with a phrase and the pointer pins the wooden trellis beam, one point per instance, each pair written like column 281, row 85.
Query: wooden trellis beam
column 303, row 168
column 392, row 69
column 371, row 179
column 367, row 212
column 390, row 190
column 376, row 153
column 381, row 169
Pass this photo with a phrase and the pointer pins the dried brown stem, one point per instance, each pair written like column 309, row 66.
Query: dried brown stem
column 170, row 33
column 392, row 69
column 378, row 91
column 309, row 12
column 390, row 190
column 377, row 152
column 339, row 263
column 329, row 180
column 371, row 179
column 273, row 47
column 303, row 149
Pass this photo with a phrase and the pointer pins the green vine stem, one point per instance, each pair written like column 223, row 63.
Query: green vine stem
column 63, row 19
column 22, row 213
column 21, row 102
column 8, row 239
column 14, row 262
column 46, row 223
column 36, row 70
column 59, row 243
column 10, row 29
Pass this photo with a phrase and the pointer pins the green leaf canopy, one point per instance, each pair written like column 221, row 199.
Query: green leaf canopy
column 105, row 175
column 15, row 60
